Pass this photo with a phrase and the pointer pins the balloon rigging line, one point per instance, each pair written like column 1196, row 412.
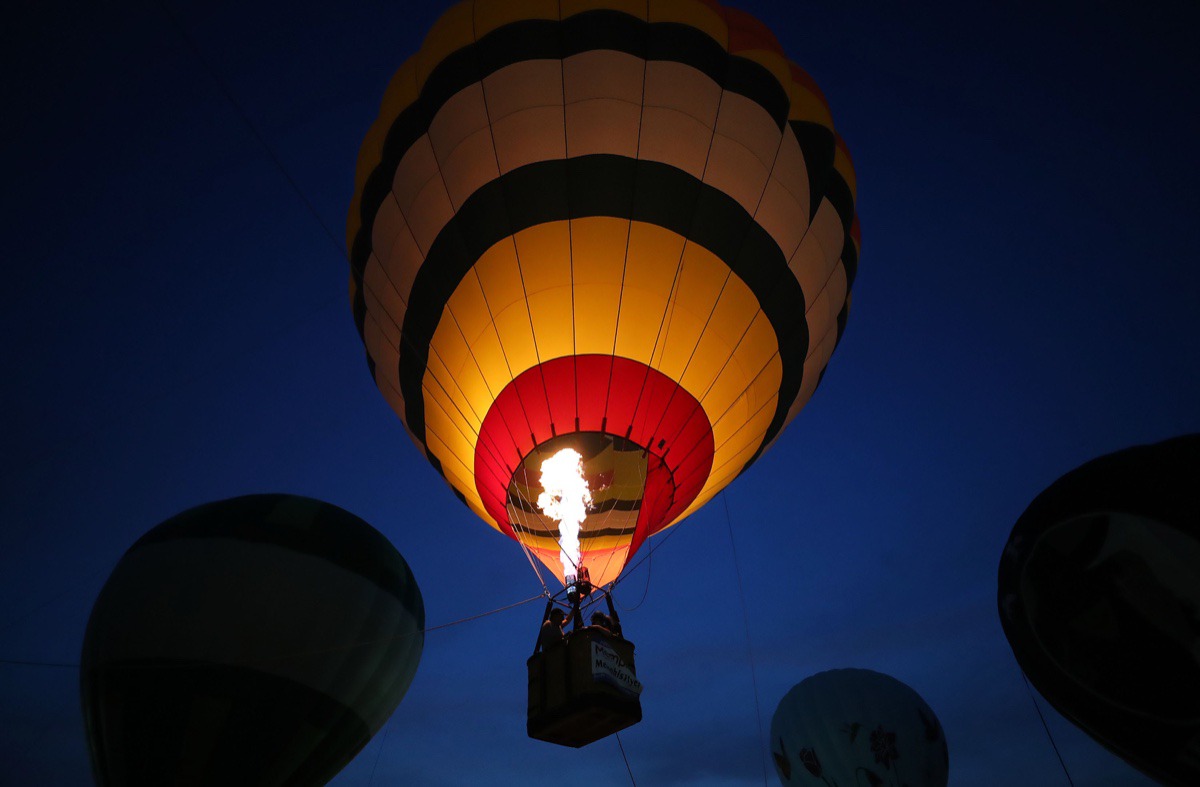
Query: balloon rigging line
column 483, row 614
column 1046, row 727
column 245, row 118
column 519, row 510
column 525, row 549
column 625, row 574
column 628, row 770
column 282, row 657
column 341, row 250
column 646, row 587
column 379, row 749
column 764, row 746
column 671, row 293
column 79, row 582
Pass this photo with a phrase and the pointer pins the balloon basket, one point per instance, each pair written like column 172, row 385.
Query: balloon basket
column 583, row 690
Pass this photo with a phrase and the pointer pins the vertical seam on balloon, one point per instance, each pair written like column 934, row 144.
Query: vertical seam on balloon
column 562, row 83
column 504, row 353
column 367, row 288
column 718, row 446
column 714, row 473
column 686, row 240
column 478, row 279
column 496, row 155
column 758, row 310
column 430, row 344
column 525, row 527
column 632, row 202
column 725, row 283
column 446, row 306
column 629, row 546
column 624, row 268
column 411, row 344
column 470, row 470
column 698, row 408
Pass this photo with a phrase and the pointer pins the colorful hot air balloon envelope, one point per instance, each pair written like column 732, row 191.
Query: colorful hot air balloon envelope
column 255, row 641
column 625, row 228
column 1100, row 600
column 857, row 727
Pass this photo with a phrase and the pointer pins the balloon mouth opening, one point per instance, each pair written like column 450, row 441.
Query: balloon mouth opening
column 1113, row 603
column 617, row 472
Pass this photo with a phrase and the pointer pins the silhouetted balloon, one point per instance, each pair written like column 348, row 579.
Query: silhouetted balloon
column 255, row 641
column 857, row 727
column 1099, row 595
column 622, row 227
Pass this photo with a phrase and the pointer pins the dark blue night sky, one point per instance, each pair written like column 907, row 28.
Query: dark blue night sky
column 176, row 330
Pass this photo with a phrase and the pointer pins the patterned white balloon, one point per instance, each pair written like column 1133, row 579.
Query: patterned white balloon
column 851, row 727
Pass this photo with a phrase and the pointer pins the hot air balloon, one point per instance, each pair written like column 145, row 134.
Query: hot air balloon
column 621, row 228
column 857, row 727
column 258, row 641
column 1099, row 596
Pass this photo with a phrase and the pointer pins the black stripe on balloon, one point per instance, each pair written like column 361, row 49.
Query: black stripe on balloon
column 843, row 315
column 818, row 145
column 520, row 503
column 359, row 307
column 304, row 525
column 837, row 191
column 850, row 260
column 534, row 39
column 370, row 360
column 601, row 532
column 600, row 185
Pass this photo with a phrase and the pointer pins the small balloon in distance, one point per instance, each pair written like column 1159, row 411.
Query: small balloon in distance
column 857, row 726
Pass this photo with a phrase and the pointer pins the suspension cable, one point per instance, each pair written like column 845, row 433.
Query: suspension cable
column 628, row 770
column 746, row 624
column 1046, row 727
column 387, row 726
column 223, row 87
